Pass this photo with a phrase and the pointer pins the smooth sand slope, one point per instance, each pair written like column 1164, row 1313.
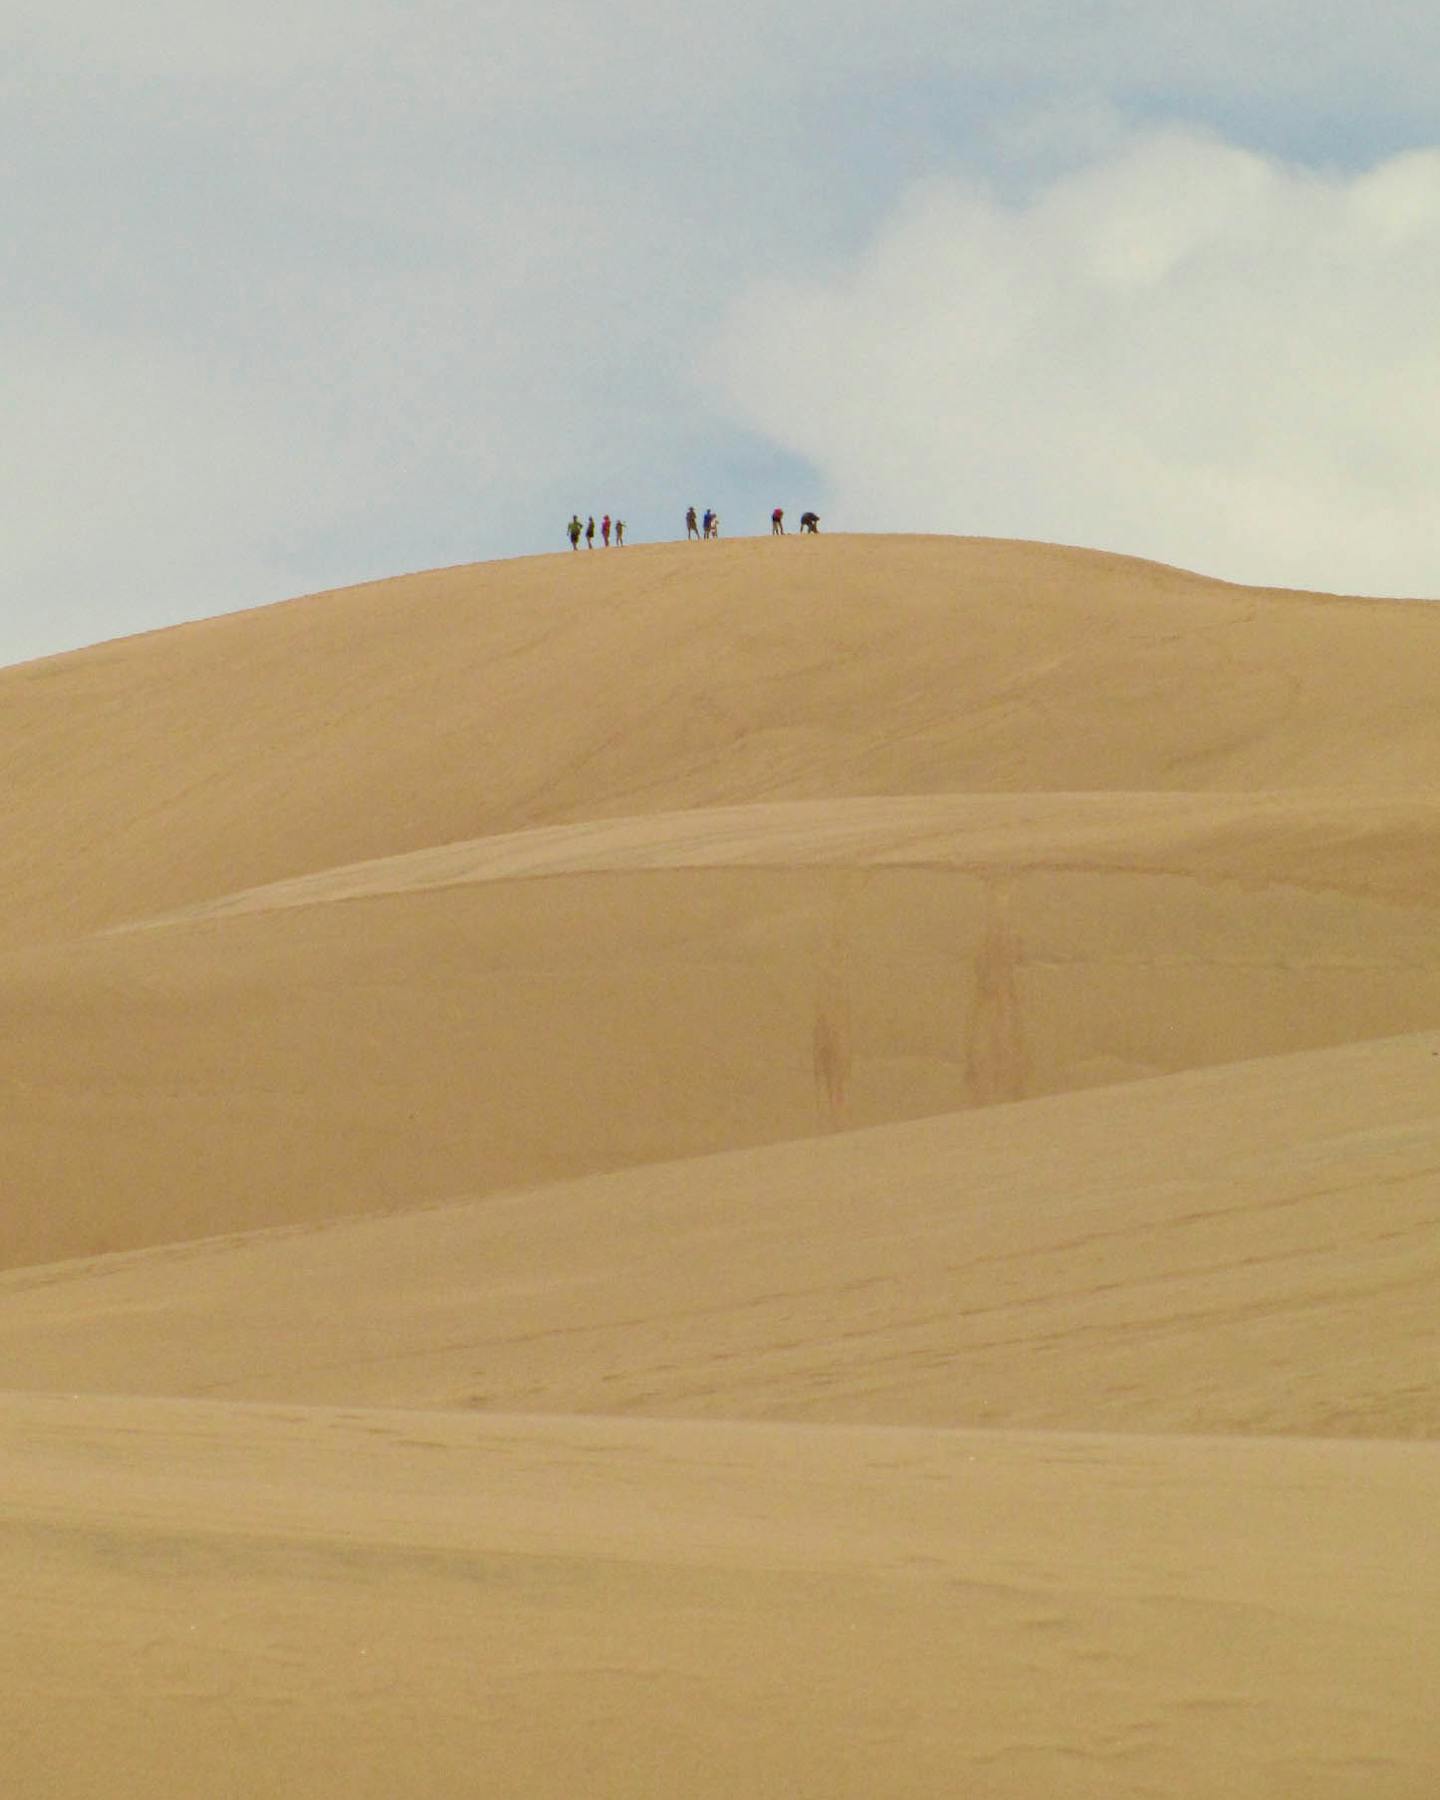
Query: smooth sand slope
column 1247, row 1249
column 456, row 1021
column 233, row 1600
column 769, row 1168
column 189, row 764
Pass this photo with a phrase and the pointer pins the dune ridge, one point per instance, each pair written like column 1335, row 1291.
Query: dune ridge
column 187, row 764
column 754, row 974
column 797, row 1168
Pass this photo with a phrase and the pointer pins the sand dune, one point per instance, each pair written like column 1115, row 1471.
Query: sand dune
column 770, row 1168
column 188, row 764
column 425, row 1027
column 1249, row 1249
column 321, row 1601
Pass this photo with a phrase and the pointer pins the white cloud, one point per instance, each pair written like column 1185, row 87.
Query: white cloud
column 1182, row 350
column 300, row 293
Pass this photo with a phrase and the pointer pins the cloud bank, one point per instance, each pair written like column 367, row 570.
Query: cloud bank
column 1181, row 350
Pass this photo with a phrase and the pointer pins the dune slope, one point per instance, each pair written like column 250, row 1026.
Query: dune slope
column 769, row 1168
column 258, row 1599
column 425, row 1027
column 190, row 763
column 1247, row 1249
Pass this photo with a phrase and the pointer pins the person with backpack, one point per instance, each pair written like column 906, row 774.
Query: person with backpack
column 777, row 522
column 574, row 530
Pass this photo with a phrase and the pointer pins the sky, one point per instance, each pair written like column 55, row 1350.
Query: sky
column 308, row 294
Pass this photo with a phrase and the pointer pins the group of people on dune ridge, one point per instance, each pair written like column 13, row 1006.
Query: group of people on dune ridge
column 809, row 521
column 709, row 525
column 706, row 525
column 574, row 529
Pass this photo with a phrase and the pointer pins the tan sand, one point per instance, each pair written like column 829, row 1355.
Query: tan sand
column 192, row 763
column 428, row 1026
column 770, row 1169
column 228, row 1600
column 1248, row 1249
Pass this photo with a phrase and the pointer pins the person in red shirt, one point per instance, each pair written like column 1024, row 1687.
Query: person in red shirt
column 777, row 522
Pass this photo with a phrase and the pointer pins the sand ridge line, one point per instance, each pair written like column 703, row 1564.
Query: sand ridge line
column 1250, row 1249
column 1156, row 832
column 219, row 1460
column 1035, row 1114
column 317, row 734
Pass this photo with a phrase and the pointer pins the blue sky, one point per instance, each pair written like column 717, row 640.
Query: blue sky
column 300, row 295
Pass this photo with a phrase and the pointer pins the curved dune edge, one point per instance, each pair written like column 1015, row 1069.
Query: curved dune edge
column 595, row 998
column 1377, row 844
column 1243, row 1249
column 165, row 771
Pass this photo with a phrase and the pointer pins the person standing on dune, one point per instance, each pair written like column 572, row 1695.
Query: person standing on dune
column 605, row 531
column 574, row 529
column 590, row 532
column 691, row 528
column 619, row 534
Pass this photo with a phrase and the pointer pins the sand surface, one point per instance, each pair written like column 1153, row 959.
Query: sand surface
column 772, row 1168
